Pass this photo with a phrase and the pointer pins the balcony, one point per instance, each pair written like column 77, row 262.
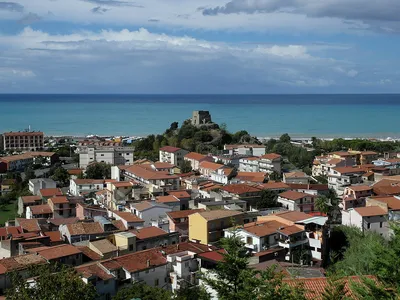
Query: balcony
column 292, row 242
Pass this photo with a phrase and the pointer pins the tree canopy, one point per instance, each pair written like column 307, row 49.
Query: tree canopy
column 98, row 170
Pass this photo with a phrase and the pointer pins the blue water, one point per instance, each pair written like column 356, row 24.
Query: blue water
column 261, row 115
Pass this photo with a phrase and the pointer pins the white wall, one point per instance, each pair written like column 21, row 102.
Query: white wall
column 153, row 213
column 149, row 276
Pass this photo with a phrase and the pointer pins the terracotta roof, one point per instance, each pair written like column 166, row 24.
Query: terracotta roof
column 210, row 165
column 30, row 199
column 123, row 184
column 195, row 156
column 50, row 192
column 392, row 202
column 5, row 231
column 187, row 246
column 293, row 216
column 27, row 155
column 59, row 200
column 141, row 260
column 294, row 195
column 119, row 224
column 93, row 270
column 289, row 230
column 142, row 205
column 75, row 171
column 89, row 253
column 179, row 194
column 58, row 251
column 170, row 149
column 360, row 188
column 218, row 214
column 263, row 228
column 85, row 228
column 387, row 187
column 334, row 161
column 163, row 165
column 40, row 209
column 147, row 173
column 301, row 186
column 148, row 232
column 251, row 176
column 370, row 211
column 315, row 287
column 167, row 199
column 348, row 170
column 368, row 174
column 29, row 225
column 88, row 181
column 240, row 188
column 343, row 153
column 271, row 185
column 55, row 236
column 20, row 262
column 104, row 246
column 215, row 256
column 63, row 221
column 271, row 156
column 128, row 216
column 182, row 213
column 295, row 175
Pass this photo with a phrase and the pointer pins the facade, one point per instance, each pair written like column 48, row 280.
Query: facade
column 297, row 201
column 245, row 149
column 41, row 183
column 201, row 117
column 196, row 158
column 206, row 168
column 270, row 163
column 20, row 161
column 150, row 211
column 222, row 175
column 119, row 194
column 249, row 164
column 179, row 222
column 207, row 227
column 79, row 186
column 296, row 177
column 340, row 178
column 172, row 155
column 78, row 232
column 372, row 218
column 25, row 201
column 39, row 211
column 22, row 141
column 110, row 155
column 355, row 196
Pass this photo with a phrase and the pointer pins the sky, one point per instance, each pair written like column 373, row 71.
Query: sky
column 192, row 47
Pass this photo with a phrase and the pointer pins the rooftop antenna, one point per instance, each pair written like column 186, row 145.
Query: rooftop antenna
column 29, row 128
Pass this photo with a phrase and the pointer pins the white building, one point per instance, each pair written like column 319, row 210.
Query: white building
column 372, row 218
column 222, row 175
column 342, row 177
column 296, row 177
column 41, row 183
column 196, row 158
column 249, row 164
column 172, row 155
column 270, row 163
column 248, row 149
column 109, row 155
column 297, row 201
column 150, row 211
column 79, row 186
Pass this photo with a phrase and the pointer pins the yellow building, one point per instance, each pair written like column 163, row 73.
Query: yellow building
column 208, row 227
column 124, row 241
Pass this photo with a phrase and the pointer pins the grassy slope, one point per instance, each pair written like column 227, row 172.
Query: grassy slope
column 7, row 212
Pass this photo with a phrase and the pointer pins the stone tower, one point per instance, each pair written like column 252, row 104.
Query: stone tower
column 201, row 117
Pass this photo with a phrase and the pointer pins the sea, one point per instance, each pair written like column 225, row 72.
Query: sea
column 325, row 116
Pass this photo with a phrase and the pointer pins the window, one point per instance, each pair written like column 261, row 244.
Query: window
column 105, row 282
column 249, row 240
column 156, row 282
column 381, row 224
column 369, row 225
column 130, row 247
column 101, row 154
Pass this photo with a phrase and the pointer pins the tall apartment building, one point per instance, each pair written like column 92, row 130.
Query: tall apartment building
column 110, row 155
column 22, row 140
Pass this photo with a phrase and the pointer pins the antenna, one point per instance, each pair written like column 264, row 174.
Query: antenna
column 29, row 128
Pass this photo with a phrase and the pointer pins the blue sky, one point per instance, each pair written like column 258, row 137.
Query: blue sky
column 209, row 46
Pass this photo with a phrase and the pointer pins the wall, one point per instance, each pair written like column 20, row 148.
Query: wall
column 198, row 229
column 152, row 213
column 151, row 275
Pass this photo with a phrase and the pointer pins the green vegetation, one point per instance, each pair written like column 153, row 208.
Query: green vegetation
column 209, row 138
column 268, row 199
column 8, row 212
column 54, row 282
column 185, row 166
column 356, row 144
column 61, row 175
column 98, row 170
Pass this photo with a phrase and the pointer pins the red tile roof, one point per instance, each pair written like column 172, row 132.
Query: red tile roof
column 59, row 200
column 148, row 232
column 258, row 177
column 348, row 170
column 215, row 256
column 163, row 165
column 293, row 216
column 182, row 213
column 89, row 181
column 29, row 225
column 360, row 188
column 370, row 211
column 147, row 173
column 210, row 165
column 300, row 186
column 63, row 221
column 128, row 217
column 195, row 156
column 50, row 192
column 20, row 262
column 289, row 230
column 30, row 199
column 93, row 270
column 119, row 224
column 55, row 236
column 123, row 184
column 141, row 260
column 89, row 253
column 271, row 156
column 294, row 195
column 170, row 149
column 179, row 194
column 5, row 231
column 392, row 202
column 240, row 188
column 167, row 199
column 85, row 228
column 271, row 185
column 40, row 209
column 58, row 251
column 75, row 171
column 142, row 205
column 263, row 228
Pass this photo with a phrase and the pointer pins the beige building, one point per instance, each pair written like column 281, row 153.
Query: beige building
column 172, row 155
column 24, row 141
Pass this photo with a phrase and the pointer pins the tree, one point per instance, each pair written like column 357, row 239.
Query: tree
column 29, row 173
column 274, row 176
column 52, row 282
column 370, row 289
column 285, row 138
column 192, row 293
column 335, row 289
column 267, row 199
column 174, row 126
column 185, row 166
column 98, row 171
column 142, row 291
column 322, row 204
column 61, row 175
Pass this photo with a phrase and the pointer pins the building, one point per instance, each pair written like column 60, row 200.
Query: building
column 61, row 207
column 249, row 164
column 206, row 168
column 109, row 155
column 20, row 161
column 39, row 211
column 270, row 163
column 37, row 184
column 119, row 194
column 355, row 195
column 172, row 155
column 390, row 204
column 22, row 141
column 179, row 222
column 61, row 254
column 129, row 219
column 86, row 211
column 242, row 191
column 150, row 211
column 78, row 187
column 201, row 117
column 207, row 227
column 78, row 232
column 25, row 201
column 196, row 158
column 173, row 202
column 296, row 177
column 151, row 237
column 222, row 175
column 342, row 177
column 250, row 177
column 373, row 218
column 297, row 201
column 245, row 149
column 311, row 188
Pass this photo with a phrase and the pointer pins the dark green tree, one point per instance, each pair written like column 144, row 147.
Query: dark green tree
column 274, row 176
column 144, row 292
column 322, row 204
column 61, row 175
column 335, row 289
column 370, row 289
column 285, row 138
column 185, row 166
column 267, row 200
column 192, row 293
column 52, row 282
column 98, row 171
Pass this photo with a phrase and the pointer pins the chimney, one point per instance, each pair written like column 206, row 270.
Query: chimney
column 148, row 263
column 177, row 246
